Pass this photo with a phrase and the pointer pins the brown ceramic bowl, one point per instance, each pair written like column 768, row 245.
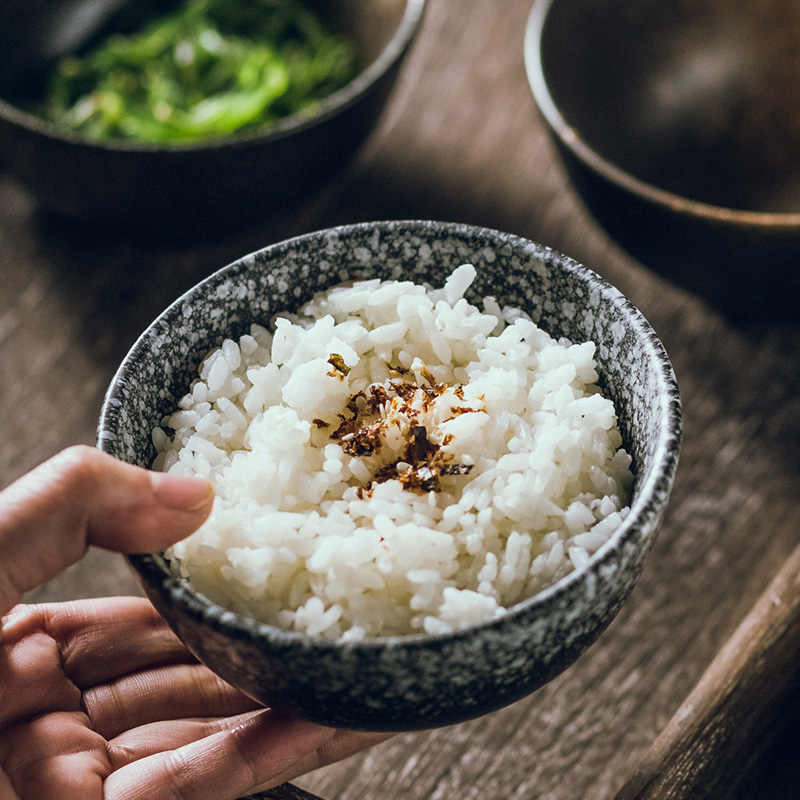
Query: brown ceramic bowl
column 188, row 188
column 679, row 123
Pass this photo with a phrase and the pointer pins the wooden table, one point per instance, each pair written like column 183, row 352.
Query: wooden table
column 462, row 141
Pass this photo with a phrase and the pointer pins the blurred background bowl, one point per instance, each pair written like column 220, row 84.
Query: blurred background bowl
column 679, row 123
column 195, row 188
column 417, row 681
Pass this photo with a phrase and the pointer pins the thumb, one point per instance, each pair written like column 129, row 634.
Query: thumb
column 83, row 497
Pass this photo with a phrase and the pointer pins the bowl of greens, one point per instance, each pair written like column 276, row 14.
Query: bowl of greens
column 184, row 116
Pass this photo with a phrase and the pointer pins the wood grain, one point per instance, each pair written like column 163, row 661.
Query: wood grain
column 729, row 719
column 461, row 141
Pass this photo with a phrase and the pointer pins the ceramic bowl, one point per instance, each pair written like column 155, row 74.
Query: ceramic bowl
column 193, row 189
column 416, row 681
column 678, row 125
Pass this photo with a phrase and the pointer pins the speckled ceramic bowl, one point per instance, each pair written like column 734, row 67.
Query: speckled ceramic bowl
column 417, row 681
column 181, row 190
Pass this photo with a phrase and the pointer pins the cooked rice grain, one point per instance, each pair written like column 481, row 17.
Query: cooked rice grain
column 395, row 460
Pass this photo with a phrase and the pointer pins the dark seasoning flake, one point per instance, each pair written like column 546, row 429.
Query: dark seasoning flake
column 369, row 414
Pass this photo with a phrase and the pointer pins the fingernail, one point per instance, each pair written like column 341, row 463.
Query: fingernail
column 181, row 492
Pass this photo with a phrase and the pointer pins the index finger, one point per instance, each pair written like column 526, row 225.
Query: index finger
column 101, row 640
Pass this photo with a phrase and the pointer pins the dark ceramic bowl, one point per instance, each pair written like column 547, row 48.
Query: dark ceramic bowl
column 679, row 122
column 418, row 681
column 188, row 189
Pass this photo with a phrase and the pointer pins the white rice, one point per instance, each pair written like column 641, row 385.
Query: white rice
column 500, row 463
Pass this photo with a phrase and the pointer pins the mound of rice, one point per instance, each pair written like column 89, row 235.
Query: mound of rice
column 395, row 460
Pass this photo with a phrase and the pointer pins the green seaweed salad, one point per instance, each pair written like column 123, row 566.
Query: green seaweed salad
column 204, row 70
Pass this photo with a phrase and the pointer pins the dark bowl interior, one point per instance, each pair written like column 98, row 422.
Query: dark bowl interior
column 680, row 123
column 187, row 189
column 416, row 681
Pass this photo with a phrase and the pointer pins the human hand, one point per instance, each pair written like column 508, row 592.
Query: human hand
column 98, row 699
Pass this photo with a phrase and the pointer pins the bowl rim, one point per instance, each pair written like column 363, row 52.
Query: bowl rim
column 651, row 497
column 571, row 139
column 328, row 107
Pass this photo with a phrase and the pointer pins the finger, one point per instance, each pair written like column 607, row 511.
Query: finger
column 32, row 682
column 82, row 497
column 57, row 749
column 49, row 653
column 99, row 640
column 342, row 745
column 159, row 737
column 167, row 693
column 223, row 766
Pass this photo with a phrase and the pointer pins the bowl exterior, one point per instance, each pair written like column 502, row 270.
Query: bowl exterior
column 745, row 269
column 179, row 191
column 185, row 191
column 605, row 116
column 409, row 682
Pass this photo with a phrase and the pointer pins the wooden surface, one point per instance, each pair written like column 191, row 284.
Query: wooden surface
column 462, row 141
column 735, row 703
